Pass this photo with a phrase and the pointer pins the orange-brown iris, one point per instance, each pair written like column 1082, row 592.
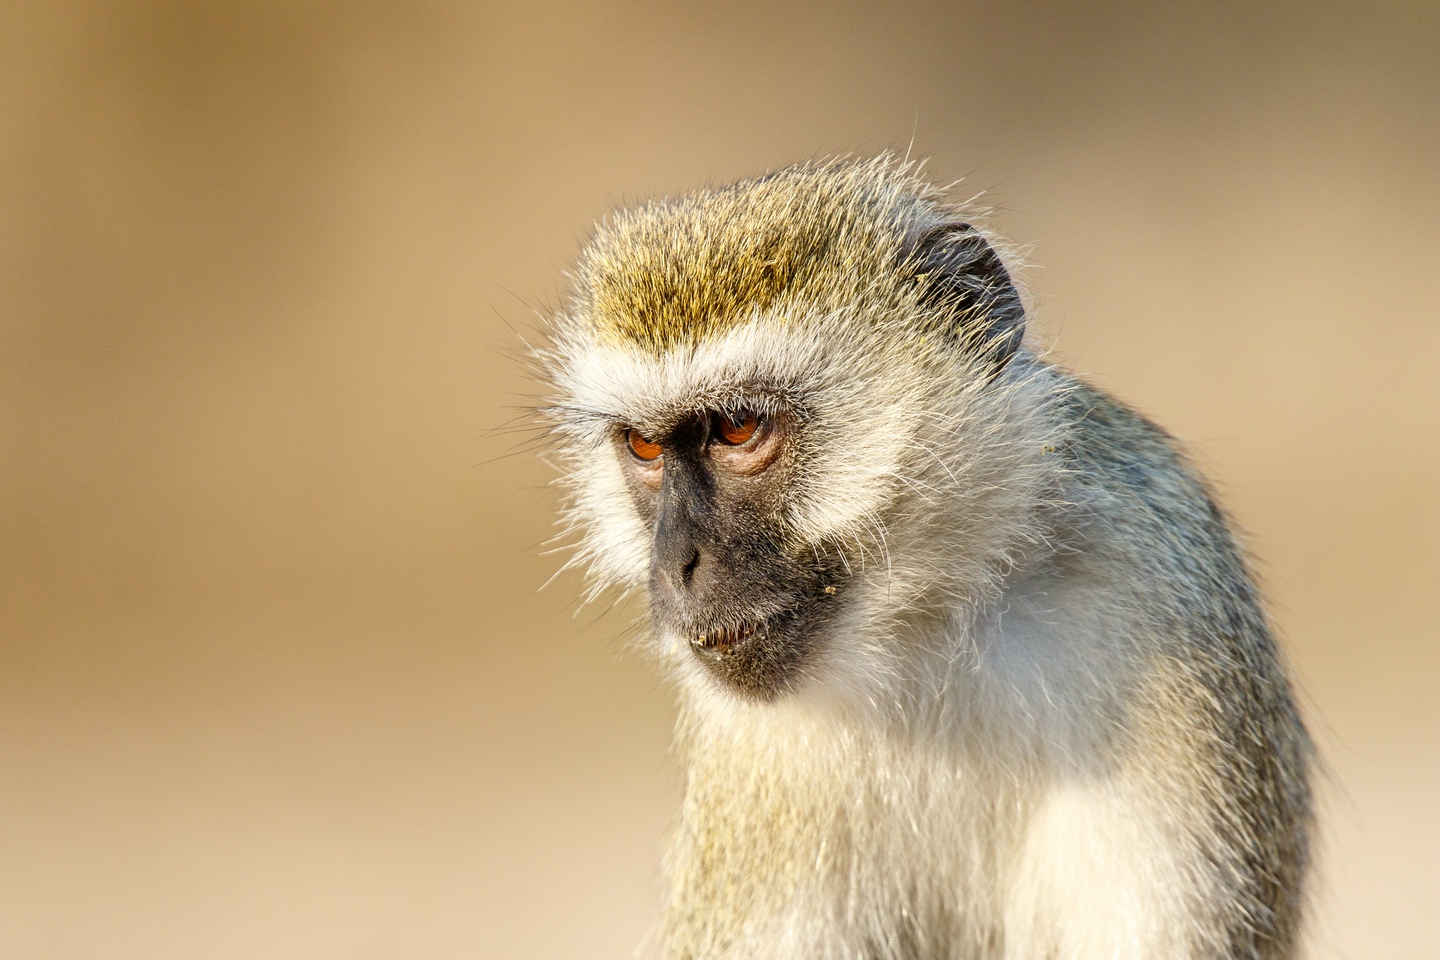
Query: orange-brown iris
column 737, row 428
column 642, row 448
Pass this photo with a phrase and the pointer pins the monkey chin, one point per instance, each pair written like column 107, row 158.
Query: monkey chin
column 758, row 660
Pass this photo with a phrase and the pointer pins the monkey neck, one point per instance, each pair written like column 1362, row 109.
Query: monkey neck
column 893, row 814
column 793, row 810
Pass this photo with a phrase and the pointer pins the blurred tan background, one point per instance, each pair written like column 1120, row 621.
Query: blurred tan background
column 275, row 677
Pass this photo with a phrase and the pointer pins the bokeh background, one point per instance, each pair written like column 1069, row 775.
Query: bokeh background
column 276, row 677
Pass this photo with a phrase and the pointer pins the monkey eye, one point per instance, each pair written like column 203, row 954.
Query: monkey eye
column 640, row 448
column 737, row 428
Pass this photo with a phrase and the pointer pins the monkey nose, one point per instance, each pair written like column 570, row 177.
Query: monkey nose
column 679, row 574
column 687, row 572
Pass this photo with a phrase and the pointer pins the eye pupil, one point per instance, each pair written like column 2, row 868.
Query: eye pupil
column 641, row 448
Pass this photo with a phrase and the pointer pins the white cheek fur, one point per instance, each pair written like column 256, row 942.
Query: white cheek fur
column 619, row 540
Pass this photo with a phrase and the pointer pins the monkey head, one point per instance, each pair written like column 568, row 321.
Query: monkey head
column 750, row 430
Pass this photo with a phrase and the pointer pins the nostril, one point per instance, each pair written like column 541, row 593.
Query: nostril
column 687, row 572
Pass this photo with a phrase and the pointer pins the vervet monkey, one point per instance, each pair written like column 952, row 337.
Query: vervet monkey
column 969, row 663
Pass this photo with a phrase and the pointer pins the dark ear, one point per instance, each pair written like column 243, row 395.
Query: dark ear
column 964, row 282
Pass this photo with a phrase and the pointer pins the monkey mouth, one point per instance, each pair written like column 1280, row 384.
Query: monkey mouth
column 721, row 641
column 756, row 659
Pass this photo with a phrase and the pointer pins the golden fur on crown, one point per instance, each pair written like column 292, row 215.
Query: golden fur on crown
column 816, row 237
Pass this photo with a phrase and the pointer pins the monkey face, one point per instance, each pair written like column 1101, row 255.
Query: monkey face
column 723, row 574
column 786, row 410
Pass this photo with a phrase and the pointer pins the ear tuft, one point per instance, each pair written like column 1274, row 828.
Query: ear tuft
column 967, row 285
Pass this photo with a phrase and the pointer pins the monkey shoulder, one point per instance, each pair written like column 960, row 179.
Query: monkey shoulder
column 1144, row 517
column 1135, row 502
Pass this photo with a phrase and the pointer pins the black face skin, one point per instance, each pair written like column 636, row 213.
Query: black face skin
column 723, row 572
